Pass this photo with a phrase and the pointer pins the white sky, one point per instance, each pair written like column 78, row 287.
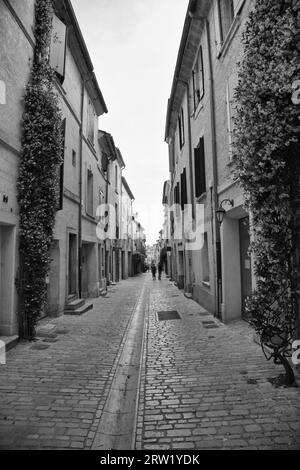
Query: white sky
column 133, row 45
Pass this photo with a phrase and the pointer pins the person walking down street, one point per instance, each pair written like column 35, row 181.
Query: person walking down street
column 160, row 270
column 153, row 270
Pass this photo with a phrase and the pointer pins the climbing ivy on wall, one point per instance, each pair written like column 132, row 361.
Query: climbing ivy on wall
column 38, row 174
column 266, row 158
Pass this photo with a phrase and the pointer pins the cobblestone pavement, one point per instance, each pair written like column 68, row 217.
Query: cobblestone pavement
column 53, row 398
column 206, row 387
column 203, row 385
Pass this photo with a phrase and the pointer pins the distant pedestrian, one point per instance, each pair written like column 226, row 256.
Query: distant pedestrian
column 160, row 270
column 153, row 270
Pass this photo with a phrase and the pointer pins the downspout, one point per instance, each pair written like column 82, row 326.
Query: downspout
column 190, row 150
column 217, row 257
column 190, row 286
column 80, row 194
column 107, row 257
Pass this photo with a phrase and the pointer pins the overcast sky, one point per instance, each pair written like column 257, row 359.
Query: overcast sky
column 133, row 45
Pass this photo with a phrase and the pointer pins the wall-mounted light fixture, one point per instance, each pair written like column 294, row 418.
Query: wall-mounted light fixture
column 220, row 212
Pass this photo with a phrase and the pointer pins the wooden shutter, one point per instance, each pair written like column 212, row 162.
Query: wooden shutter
column 201, row 74
column 58, row 47
column 218, row 27
column 182, row 126
column 200, row 178
column 183, row 189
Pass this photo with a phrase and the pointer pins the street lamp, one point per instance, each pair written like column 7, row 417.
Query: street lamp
column 220, row 212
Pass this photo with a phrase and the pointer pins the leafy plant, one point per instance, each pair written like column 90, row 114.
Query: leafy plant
column 266, row 156
column 38, row 174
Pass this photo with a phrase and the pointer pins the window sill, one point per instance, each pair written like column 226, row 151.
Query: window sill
column 201, row 197
column 90, row 216
column 91, row 147
column 59, row 85
column 229, row 37
column 230, row 162
column 199, row 108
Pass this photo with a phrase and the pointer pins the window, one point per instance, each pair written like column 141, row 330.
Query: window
column 116, row 178
column 181, row 129
column 200, row 179
column 117, row 221
column 224, row 14
column 74, row 158
column 60, row 188
column 205, row 261
column 57, row 57
column 90, row 123
column 89, row 193
column 198, row 80
column 183, row 189
column 177, row 198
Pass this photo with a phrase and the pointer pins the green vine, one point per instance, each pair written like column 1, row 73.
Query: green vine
column 266, row 156
column 38, row 174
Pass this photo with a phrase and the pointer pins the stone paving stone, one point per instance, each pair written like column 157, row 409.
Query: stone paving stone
column 209, row 389
column 57, row 392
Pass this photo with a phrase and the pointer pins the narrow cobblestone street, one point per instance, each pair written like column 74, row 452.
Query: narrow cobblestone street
column 203, row 384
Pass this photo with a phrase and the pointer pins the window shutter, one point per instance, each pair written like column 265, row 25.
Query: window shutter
column 218, row 28
column 201, row 73
column 200, row 178
column 58, row 47
column 183, row 189
column 181, row 128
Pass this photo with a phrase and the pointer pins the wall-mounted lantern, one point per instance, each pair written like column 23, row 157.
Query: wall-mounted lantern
column 220, row 212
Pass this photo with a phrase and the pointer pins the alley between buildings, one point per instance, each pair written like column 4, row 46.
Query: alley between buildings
column 146, row 368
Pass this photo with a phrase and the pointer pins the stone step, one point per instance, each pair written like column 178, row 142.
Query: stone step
column 79, row 311
column 10, row 341
column 75, row 304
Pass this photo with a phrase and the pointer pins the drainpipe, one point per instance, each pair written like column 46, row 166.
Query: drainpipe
column 80, row 194
column 191, row 174
column 218, row 265
column 190, row 150
column 105, row 240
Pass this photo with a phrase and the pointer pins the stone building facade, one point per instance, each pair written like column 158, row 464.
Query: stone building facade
column 82, row 262
column 198, row 132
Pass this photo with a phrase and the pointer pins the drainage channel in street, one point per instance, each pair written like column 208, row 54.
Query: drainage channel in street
column 117, row 426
